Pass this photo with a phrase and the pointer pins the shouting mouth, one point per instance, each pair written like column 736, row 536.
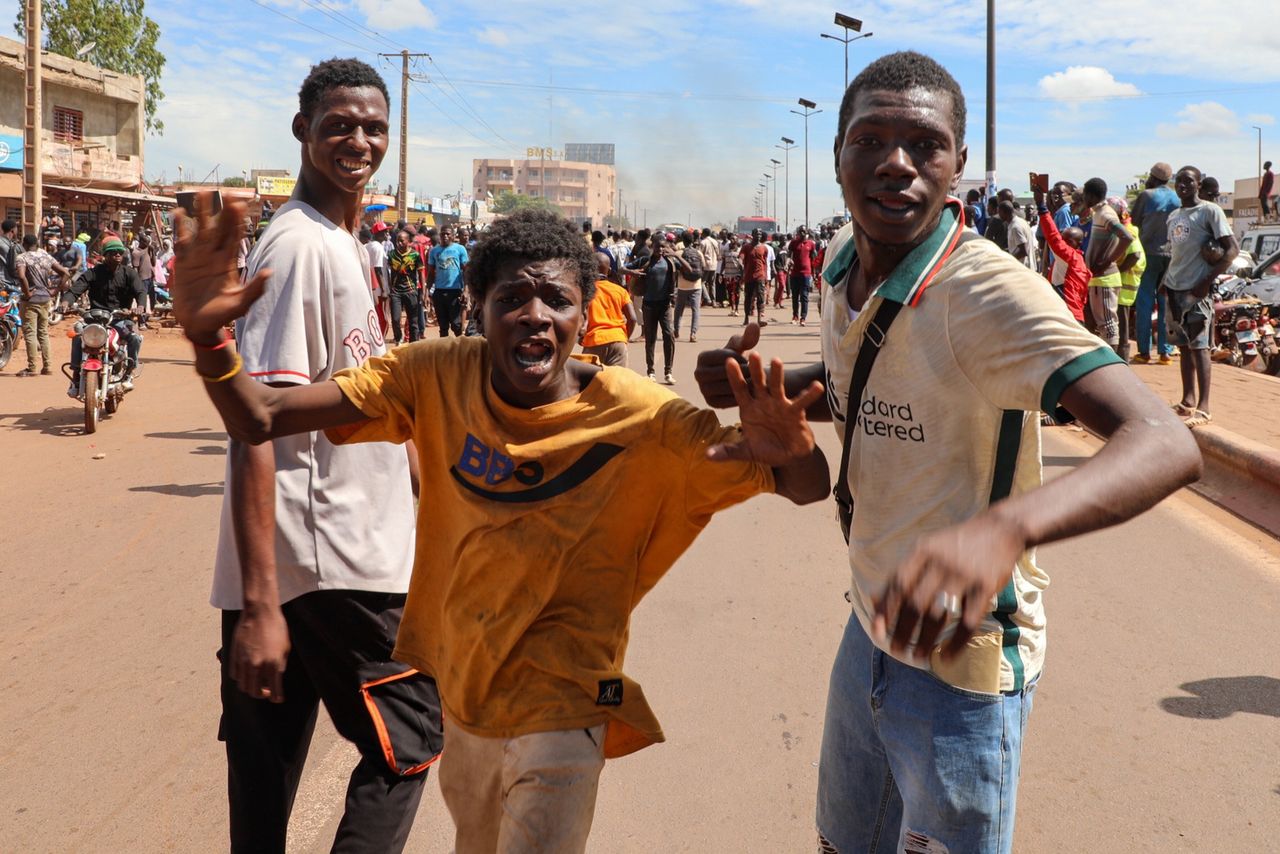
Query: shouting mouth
column 535, row 355
column 894, row 207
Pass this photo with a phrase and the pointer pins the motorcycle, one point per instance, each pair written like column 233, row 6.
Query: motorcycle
column 163, row 305
column 10, row 325
column 103, row 365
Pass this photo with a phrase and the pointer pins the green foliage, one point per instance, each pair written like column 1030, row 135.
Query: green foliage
column 506, row 202
column 235, row 181
column 124, row 41
column 1132, row 191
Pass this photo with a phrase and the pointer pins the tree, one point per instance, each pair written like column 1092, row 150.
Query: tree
column 507, row 202
column 234, row 181
column 124, row 41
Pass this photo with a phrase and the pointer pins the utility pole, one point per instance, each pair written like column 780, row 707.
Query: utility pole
column 402, row 195
column 786, row 180
column 32, row 148
column 809, row 110
column 991, row 97
column 775, row 162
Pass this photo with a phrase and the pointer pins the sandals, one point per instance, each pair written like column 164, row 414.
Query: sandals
column 1198, row 418
column 1183, row 410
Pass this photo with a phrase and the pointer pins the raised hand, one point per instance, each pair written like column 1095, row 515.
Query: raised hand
column 207, row 291
column 775, row 431
column 712, row 378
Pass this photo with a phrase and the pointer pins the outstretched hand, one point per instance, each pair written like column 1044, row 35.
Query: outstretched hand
column 207, row 291
column 775, row 431
column 710, row 373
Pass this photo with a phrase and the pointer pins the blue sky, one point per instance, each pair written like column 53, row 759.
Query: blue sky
column 695, row 96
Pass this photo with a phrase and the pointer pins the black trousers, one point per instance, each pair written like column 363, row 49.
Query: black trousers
column 341, row 640
column 409, row 304
column 658, row 315
column 448, row 305
column 753, row 300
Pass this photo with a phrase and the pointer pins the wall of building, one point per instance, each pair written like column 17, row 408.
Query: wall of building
column 584, row 191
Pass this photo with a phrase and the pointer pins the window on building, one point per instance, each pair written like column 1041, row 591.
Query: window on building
column 68, row 125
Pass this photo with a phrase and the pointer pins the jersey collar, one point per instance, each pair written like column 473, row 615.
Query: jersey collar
column 907, row 283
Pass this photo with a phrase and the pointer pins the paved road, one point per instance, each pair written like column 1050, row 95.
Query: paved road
column 1154, row 728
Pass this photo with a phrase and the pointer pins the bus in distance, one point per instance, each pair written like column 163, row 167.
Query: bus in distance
column 767, row 224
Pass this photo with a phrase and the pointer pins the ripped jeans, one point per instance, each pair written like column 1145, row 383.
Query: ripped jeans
column 910, row 763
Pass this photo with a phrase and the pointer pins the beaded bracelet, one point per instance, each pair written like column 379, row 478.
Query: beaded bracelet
column 235, row 369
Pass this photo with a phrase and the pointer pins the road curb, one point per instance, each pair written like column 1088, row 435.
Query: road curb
column 1244, row 456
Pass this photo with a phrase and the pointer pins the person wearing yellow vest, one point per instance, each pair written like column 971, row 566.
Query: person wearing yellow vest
column 1108, row 242
column 1131, row 266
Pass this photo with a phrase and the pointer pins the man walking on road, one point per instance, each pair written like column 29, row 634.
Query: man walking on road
column 446, row 270
column 800, row 280
column 755, row 277
column 36, row 270
column 710, row 267
column 1202, row 248
column 313, row 565
column 1150, row 214
column 932, row 685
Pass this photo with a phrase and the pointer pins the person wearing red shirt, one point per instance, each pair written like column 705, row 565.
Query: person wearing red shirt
column 1065, row 246
column 801, row 280
column 755, row 263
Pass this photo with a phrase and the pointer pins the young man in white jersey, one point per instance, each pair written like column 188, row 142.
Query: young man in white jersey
column 313, row 565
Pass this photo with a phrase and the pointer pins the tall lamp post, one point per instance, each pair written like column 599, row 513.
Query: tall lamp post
column 1259, row 130
column 848, row 24
column 775, row 163
column 786, row 181
column 767, row 179
column 810, row 109
column 991, row 97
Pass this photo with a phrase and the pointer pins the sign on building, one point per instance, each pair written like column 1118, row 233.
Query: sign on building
column 276, row 185
column 11, row 152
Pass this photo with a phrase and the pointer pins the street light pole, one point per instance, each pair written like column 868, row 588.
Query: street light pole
column 775, row 162
column 786, row 180
column 848, row 24
column 991, row 97
column 810, row 109
column 1259, row 130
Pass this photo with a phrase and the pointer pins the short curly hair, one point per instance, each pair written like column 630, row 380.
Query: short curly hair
column 531, row 235
column 897, row 72
column 337, row 74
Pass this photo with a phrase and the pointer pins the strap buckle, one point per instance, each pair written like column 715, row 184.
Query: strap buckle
column 872, row 338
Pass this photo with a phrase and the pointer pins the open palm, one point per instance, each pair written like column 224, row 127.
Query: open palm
column 775, row 431
column 207, row 291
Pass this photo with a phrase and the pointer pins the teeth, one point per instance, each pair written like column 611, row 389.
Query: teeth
column 353, row 165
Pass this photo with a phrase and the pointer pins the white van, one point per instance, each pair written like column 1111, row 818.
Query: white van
column 1260, row 241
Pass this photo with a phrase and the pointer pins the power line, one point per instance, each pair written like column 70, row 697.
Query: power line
column 335, row 15
column 460, row 106
column 413, row 83
column 361, row 48
column 432, row 60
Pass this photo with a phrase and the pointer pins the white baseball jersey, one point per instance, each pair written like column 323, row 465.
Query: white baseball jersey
column 344, row 516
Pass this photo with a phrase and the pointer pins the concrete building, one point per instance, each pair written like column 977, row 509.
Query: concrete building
column 93, row 131
column 584, row 191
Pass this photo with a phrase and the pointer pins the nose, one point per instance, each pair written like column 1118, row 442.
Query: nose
column 535, row 314
column 897, row 163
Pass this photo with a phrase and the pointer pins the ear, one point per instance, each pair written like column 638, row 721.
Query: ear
column 299, row 127
column 962, row 157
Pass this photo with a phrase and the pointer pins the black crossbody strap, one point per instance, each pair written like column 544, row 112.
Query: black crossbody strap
column 873, row 338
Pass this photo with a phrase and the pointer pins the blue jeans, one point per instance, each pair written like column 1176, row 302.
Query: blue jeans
column 906, row 756
column 799, row 287
column 693, row 301
column 1148, row 297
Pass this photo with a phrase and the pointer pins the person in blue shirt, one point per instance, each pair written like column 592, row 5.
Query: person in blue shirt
column 1150, row 214
column 446, row 266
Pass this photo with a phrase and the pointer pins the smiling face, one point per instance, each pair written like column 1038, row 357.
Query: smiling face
column 899, row 159
column 1187, row 185
column 344, row 139
column 533, row 318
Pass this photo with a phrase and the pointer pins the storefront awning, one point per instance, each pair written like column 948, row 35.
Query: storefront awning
column 133, row 199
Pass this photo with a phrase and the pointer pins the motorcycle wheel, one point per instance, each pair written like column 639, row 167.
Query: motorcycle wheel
column 6, row 344
column 111, row 404
column 90, row 402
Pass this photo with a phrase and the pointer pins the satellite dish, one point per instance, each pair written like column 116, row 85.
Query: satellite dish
column 85, row 49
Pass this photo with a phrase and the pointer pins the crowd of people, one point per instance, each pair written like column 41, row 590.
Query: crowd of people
column 1117, row 264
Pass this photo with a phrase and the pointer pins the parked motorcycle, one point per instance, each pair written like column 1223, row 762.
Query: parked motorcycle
column 103, row 365
column 10, row 325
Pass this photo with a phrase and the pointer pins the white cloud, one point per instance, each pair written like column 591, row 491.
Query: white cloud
column 1206, row 119
column 1085, row 83
column 397, row 14
column 494, row 36
column 1260, row 119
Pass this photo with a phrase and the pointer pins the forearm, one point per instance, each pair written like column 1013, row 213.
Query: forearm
column 805, row 481
column 253, row 519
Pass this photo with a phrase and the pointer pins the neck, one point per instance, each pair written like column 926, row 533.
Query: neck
column 878, row 260
column 333, row 204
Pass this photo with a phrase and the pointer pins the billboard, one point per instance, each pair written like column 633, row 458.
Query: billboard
column 11, row 152
column 589, row 152
column 276, row 185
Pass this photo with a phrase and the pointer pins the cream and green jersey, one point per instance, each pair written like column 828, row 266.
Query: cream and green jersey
column 949, row 421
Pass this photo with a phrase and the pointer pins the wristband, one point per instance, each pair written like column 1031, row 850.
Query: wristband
column 223, row 340
column 235, row 369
